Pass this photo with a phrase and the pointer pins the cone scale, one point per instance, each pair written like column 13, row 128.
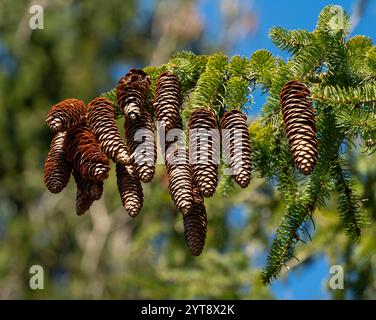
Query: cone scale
column 88, row 191
column 167, row 101
column 66, row 114
column 131, row 93
column 85, row 153
column 195, row 224
column 141, row 142
column 237, row 146
column 130, row 189
column 180, row 177
column 57, row 169
column 300, row 125
column 101, row 119
column 204, row 150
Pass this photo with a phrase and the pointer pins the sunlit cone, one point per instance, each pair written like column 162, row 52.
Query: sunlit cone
column 101, row 119
column 180, row 177
column 88, row 191
column 195, row 224
column 167, row 103
column 66, row 114
column 131, row 93
column 57, row 169
column 204, row 150
column 141, row 141
column 85, row 153
column 300, row 125
column 130, row 189
column 237, row 145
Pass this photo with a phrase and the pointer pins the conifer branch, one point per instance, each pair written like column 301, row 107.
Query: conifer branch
column 357, row 95
column 332, row 98
column 290, row 40
column 348, row 204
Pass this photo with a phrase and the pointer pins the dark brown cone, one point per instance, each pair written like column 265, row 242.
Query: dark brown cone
column 237, row 145
column 101, row 119
column 85, row 153
column 300, row 125
column 66, row 114
column 144, row 157
column 195, row 224
column 57, row 169
column 131, row 93
column 204, row 156
column 180, row 177
column 130, row 189
column 167, row 101
column 87, row 192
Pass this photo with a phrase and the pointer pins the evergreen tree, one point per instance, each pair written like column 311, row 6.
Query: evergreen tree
column 326, row 69
column 109, row 255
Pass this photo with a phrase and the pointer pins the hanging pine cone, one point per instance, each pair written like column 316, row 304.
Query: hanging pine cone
column 66, row 114
column 180, row 177
column 131, row 93
column 204, row 150
column 143, row 156
column 85, row 153
column 167, row 101
column 237, row 145
column 101, row 119
column 130, row 189
column 195, row 224
column 300, row 125
column 57, row 169
column 88, row 191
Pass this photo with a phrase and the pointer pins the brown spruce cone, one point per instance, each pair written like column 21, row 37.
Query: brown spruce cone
column 101, row 119
column 85, row 153
column 131, row 93
column 167, row 101
column 300, row 125
column 237, row 145
column 204, row 150
column 130, row 189
column 180, row 177
column 195, row 224
column 88, row 191
column 66, row 114
column 57, row 169
column 143, row 156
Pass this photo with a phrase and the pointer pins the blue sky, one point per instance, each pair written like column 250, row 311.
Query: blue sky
column 307, row 282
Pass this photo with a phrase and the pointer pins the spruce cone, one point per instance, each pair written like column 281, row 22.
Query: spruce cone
column 144, row 152
column 180, row 177
column 167, row 101
column 88, row 191
column 131, row 93
column 85, row 154
column 57, row 169
column 101, row 118
column 237, row 145
column 195, row 224
column 130, row 189
column 204, row 150
column 300, row 125
column 66, row 114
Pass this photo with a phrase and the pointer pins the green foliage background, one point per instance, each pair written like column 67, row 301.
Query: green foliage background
column 105, row 254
